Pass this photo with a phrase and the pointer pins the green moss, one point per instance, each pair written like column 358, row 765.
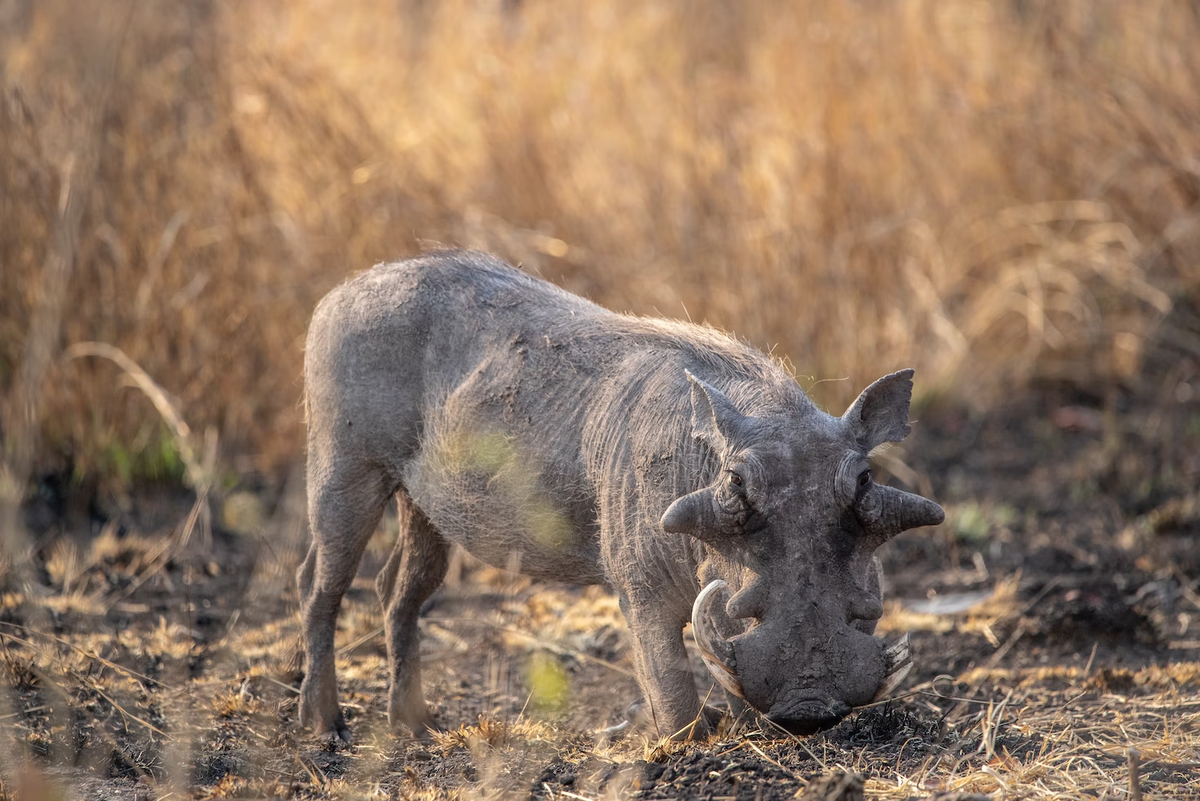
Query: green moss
column 156, row 461
column 972, row 522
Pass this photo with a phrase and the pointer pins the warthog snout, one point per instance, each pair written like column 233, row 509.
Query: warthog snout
column 800, row 683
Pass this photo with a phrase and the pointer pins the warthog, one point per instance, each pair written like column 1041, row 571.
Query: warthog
column 657, row 458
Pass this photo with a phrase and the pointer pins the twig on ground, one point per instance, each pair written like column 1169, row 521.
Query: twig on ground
column 554, row 648
column 1135, row 784
column 791, row 773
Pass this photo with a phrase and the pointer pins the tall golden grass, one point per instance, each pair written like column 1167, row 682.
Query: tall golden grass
column 995, row 193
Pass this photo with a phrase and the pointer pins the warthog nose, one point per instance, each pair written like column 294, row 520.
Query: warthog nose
column 865, row 608
column 811, row 717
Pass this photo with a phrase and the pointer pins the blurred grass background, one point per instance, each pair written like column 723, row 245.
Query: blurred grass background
column 1000, row 194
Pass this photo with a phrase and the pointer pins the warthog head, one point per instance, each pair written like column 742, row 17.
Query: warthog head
column 792, row 522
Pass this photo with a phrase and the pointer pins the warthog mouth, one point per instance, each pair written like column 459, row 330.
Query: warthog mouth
column 806, row 712
column 808, row 715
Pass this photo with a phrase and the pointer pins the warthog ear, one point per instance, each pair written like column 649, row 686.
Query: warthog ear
column 881, row 412
column 714, row 417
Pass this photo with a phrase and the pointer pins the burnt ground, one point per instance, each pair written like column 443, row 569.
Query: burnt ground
column 1055, row 625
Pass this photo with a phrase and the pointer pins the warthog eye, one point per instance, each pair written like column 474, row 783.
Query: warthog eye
column 864, row 478
column 733, row 501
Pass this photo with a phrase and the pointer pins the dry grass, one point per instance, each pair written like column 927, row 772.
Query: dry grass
column 994, row 193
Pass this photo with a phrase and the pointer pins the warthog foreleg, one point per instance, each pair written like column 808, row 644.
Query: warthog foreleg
column 665, row 673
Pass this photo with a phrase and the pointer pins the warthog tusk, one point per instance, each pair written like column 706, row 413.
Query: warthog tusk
column 710, row 643
column 899, row 662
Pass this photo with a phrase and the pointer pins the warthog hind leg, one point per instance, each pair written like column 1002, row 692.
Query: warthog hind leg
column 414, row 570
column 344, row 508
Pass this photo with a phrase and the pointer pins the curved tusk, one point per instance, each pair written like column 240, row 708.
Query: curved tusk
column 710, row 643
column 899, row 662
